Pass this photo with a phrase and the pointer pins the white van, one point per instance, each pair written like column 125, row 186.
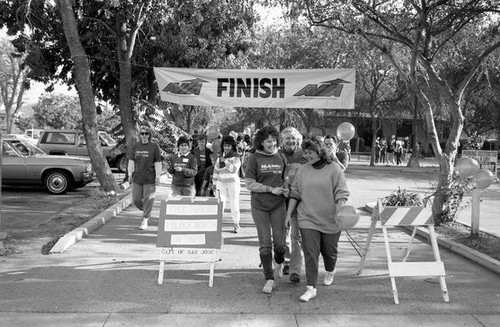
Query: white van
column 34, row 133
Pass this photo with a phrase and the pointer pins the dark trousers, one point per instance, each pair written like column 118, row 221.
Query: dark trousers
column 271, row 232
column 315, row 242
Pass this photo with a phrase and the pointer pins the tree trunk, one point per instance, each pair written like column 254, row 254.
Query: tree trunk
column 86, row 95
column 125, row 102
column 445, row 164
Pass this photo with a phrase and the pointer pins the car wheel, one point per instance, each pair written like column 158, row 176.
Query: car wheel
column 57, row 182
column 122, row 164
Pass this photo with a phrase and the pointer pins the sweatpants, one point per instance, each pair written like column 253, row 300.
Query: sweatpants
column 143, row 196
column 271, row 232
column 230, row 192
column 315, row 242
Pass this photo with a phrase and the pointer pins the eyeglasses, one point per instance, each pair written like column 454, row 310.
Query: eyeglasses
column 144, row 133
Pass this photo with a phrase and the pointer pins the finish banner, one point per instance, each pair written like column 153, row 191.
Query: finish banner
column 258, row 88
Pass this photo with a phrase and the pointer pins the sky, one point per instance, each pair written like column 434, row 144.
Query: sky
column 36, row 89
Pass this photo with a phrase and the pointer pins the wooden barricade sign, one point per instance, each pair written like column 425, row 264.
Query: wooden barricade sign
column 190, row 230
column 411, row 217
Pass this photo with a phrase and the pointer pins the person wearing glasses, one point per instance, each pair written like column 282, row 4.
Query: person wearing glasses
column 144, row 170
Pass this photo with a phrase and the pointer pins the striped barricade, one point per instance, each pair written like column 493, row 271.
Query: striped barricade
column 406, row 216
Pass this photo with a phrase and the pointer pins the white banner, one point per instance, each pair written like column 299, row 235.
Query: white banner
column 258, row 88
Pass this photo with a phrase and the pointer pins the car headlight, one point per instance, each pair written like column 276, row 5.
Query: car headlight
column 89, row 168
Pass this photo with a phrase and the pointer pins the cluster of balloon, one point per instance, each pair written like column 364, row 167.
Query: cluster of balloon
column 469, row 167
column 466, row 167
column 347, row 217
column 345, row 131
column 483, row 178
column 212, row 132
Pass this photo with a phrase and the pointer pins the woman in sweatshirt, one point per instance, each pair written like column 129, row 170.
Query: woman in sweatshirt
column 264, row 178
column 318, row 190
column 226, row 178
column 183, row 168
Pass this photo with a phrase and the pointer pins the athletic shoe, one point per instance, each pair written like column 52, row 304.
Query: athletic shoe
column 295, row 278
column 268, row 286
column 310, row 293
column 278, row 270
column 144, row 224
column 329, row 278
column 286, row 269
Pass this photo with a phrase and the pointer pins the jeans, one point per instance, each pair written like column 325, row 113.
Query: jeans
column 143, row 196
column 183, row 190
column 271, row 232
column 315, row 242
column 294, row 246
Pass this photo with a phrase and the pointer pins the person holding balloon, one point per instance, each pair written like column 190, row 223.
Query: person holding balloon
column 315, row 185
column 345, row 132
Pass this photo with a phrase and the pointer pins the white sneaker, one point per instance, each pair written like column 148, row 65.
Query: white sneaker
column 329, row 278
column 310, row 293
column 144, row 224
column 268, row 286
column 278, row 270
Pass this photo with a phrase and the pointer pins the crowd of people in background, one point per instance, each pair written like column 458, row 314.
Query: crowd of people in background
column 393, row 152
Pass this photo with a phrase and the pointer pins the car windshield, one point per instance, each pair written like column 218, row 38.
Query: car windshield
column 25, row 148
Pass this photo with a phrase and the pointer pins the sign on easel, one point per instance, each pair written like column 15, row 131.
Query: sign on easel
column 411, row 217
column 190, row 230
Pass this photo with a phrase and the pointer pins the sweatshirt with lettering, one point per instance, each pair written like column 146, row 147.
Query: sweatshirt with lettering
column 264, row 171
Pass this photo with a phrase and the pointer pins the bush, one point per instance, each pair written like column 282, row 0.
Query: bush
column 453, row 198
column 403, row 198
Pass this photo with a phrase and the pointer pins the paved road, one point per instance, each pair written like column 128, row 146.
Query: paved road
column 25, row 208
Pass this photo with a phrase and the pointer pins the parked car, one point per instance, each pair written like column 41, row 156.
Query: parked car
column 72, row 142
column 21, row 137
column 23, row 163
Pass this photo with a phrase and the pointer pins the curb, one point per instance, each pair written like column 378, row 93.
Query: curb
column 403, row 169
column 471, row 254
column 78, row 233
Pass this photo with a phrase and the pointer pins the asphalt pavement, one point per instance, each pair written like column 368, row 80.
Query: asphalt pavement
column 109, row 277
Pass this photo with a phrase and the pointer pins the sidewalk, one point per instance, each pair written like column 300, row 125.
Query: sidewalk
column 109, row 278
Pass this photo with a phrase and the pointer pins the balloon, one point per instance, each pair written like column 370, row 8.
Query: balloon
column 483, row 178
column 347, row 217
column 345, row 131
column 212, row 132
column 466, row 167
